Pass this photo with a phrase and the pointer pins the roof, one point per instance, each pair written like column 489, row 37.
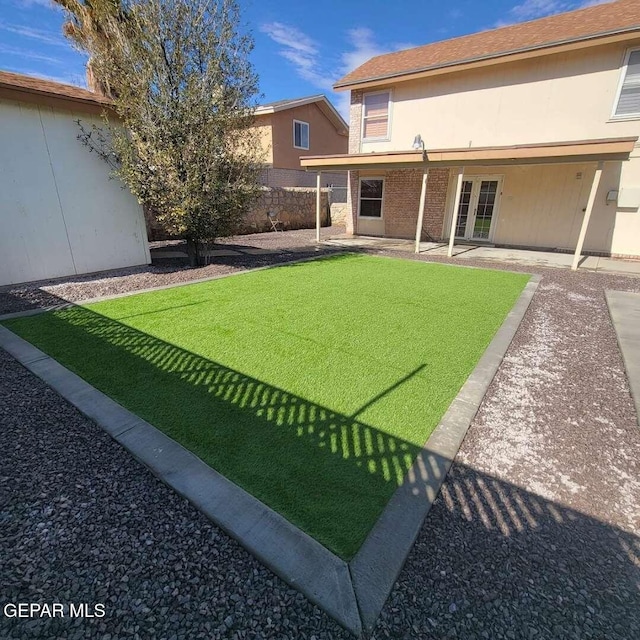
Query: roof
column 588, row 26
column 552, row 152
column 321, row 100
column 47, row 88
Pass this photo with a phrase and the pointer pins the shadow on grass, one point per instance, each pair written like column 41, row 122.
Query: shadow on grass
column 328, row 473
column 510, row 560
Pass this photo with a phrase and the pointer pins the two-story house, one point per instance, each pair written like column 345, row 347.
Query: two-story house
column 289, row 129
column 522, row 136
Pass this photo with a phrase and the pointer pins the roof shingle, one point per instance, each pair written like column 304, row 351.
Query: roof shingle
column 583, row 24
column 39, row 86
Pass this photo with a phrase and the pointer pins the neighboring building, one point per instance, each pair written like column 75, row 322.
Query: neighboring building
column 531, row 136
column 61, row 213
column 289, row 129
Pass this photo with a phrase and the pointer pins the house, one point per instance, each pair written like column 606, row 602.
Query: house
column 61, row 213
column 523, row 136
column 289, row 129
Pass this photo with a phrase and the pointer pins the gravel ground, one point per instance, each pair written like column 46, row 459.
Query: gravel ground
column 292, row 245
column 81, row 521
column 535, row 534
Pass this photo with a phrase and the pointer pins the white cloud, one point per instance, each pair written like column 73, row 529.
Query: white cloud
column 533, row 9
column 363, row 47
column 47, row 37
column 322, row 70
column 35, row 3
column 301, row 51
column 29, row 55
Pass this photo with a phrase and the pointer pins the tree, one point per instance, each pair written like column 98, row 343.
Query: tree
column 183, row 88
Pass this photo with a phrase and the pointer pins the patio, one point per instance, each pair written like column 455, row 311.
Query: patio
column 523, row 257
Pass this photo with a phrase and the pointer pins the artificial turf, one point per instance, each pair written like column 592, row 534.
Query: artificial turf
column 311, row 385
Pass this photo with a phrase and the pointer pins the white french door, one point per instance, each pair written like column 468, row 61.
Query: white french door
column 478, row 207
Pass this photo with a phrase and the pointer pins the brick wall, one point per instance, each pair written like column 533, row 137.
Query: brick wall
column 355, row 121
column 355, row 125
column 402, row 199
column 352, row 202
column 434, row 209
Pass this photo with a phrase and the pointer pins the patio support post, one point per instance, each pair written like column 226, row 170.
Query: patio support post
column 454, row 214
column 587, row 215
column 423, row 197
column 318, row 198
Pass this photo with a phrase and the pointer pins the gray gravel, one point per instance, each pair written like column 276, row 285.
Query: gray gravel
column 81, row 521
column 288, row 246
column 535, row 534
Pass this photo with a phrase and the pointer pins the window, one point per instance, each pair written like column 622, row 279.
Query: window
column 375, row 116
column 371, row 197
column 300, row 134
column 628, row 101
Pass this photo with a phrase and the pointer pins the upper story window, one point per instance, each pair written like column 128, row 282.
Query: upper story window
column 628, row 100
column 375, row 116
column 300, row 134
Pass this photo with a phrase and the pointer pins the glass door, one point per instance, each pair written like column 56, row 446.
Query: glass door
column 464, row 208
column 485, row 206
column 478, row 203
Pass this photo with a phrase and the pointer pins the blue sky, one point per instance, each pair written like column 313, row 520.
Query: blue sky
column 302, row 47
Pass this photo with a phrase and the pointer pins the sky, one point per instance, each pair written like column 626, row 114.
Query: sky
column 301, row 47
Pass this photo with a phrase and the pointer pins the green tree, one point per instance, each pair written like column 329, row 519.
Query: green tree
column 184, row 90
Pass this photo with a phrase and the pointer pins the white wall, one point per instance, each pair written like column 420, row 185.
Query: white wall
column 60, row 213
column 560, row 97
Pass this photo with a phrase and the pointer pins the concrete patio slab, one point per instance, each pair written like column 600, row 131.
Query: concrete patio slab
column 523, row 257
column 624, row 308
column 353, row 593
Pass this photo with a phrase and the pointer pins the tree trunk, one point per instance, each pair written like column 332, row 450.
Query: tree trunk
column 193, row 251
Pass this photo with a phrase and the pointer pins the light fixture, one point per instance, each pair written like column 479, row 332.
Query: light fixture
column 418, row 143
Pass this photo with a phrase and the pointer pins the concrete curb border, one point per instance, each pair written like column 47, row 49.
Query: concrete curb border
column 351, row 593
column 624, row 309
column 376, row 566
column 289, row 552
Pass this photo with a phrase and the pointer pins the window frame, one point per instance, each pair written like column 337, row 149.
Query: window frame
column 295, row 146
column 389, row 103
column 381, row 216
column 623, row 74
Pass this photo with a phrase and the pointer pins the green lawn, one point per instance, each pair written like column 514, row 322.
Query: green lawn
column 311, row 385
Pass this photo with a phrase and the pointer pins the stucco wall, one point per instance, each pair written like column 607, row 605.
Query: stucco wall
column 323, row 137
column 262, row 135
column 542, row 206
column 561, row 97
column 60, row 213
column 568, row 96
